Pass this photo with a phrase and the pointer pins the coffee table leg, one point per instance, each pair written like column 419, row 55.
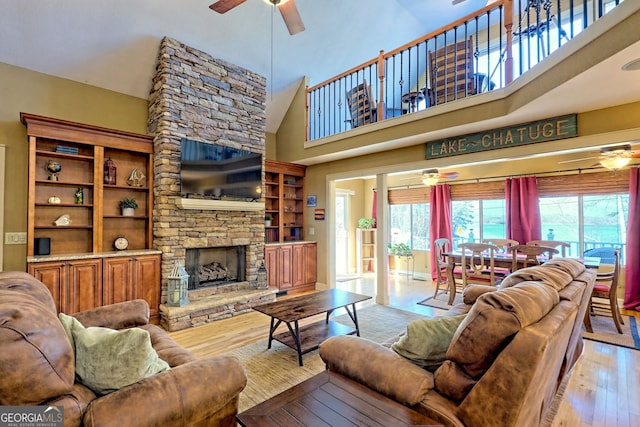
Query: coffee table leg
column 298, row 343
column 272, row 329
column 354, row 317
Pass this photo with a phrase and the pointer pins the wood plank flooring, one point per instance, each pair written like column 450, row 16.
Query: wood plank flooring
column 604, row 388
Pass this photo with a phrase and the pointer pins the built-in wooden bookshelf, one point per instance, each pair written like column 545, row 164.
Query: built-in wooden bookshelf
column 284, row 201
column 78, row 215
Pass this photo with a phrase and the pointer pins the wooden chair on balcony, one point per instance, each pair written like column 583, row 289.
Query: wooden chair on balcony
column 451, row 72
column 552, row 244
column 361, row 105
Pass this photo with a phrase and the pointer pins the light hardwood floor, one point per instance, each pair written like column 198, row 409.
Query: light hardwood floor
column 604, row 388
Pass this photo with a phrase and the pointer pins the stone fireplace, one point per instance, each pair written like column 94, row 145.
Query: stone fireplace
column 202, row 98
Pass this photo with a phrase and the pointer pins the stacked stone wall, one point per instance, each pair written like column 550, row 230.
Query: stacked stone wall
column 199, row 97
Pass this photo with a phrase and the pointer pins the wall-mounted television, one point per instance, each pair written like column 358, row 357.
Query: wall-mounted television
column 220, row 172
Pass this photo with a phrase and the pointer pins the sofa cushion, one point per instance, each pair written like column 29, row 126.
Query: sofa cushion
column 490, row 324
column 570, row 265
column 36, row 360
column 553, row 277
column 109, row 359
column 427, row 340
column 377, row 367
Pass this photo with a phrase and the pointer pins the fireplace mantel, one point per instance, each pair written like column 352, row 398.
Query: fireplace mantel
column 219, row 205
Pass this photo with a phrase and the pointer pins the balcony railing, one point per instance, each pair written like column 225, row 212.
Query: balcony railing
column 480, row 52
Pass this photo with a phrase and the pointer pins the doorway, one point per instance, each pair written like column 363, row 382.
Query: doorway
column 343, row 211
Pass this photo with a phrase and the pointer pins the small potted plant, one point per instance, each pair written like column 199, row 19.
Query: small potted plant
column 267, row 220
column 128, row 205
column 366, row 223
column 399, row 249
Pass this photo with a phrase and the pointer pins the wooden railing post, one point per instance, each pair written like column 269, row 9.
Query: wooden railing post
column 508, row 26
column 380, row 108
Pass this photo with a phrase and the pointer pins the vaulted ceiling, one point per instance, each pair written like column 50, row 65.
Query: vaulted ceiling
column 113, row 44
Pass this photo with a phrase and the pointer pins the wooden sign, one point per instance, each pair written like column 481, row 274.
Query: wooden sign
column 527, row 133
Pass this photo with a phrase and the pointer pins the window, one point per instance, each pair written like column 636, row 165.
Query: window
column 468, row 215
column 410, row 225
column 586, row 222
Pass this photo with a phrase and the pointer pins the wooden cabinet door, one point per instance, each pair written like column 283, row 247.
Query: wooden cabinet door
column 54, row 276
column 117, row 280
column 311, row 263
column 84, row 285
column 285, row 267
column 299, row 264
column 147, row 282
column 271, row 264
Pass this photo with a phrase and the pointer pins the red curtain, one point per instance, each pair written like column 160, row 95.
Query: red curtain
column 523, row 212
column 632, row 267
column 440, row 220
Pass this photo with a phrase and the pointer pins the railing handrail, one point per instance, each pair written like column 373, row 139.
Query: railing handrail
column 446, row 28
column 432, row 34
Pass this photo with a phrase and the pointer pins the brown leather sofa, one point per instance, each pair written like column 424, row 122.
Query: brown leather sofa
column 37, row 367
column 505, row 362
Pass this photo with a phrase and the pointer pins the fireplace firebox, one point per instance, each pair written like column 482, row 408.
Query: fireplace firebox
column 214, row 266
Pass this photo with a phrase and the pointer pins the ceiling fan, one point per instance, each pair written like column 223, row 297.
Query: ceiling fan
column 612, row 158
column 432, row 176
column 287, row 9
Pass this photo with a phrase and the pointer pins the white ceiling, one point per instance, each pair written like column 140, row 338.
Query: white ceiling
column 113, row 44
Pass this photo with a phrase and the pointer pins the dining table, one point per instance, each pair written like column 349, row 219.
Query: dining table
column 501, row 260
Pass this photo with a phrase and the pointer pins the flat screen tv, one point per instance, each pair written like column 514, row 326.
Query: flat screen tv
column 220, row 172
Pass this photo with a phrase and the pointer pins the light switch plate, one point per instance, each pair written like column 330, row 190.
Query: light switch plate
column 18, row 238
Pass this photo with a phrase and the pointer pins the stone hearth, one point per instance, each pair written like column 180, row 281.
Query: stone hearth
column 202, row 98
column 204, row 306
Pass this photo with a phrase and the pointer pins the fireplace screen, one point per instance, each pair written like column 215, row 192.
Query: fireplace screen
column 215, row 266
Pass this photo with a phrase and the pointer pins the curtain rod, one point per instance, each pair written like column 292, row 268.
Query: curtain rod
column 490, row 178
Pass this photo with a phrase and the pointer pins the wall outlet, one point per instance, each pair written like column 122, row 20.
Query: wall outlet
column 312, row 231
column 19, row 238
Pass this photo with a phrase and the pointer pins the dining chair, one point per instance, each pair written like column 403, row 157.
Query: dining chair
column 441, row 246
column 604, row 298
column 552, row 244
column 478, row 264
column 504, row 245
column 527, row 255
column 361, row 105
column 451, row 72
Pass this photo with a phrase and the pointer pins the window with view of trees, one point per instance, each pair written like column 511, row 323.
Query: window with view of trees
column 409, row 224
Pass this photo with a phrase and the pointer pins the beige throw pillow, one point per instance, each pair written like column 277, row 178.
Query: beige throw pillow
column 109, row 359
column 427, row 340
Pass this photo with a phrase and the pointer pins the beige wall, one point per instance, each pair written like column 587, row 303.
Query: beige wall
column 27, row 91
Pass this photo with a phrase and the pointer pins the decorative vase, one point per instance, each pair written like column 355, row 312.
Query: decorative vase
column 128, row 211
column 267, row 223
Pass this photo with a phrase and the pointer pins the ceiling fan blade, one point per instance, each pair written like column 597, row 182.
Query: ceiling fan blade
column 454, row 2
column 449, row 175
column 223, row 6
column 636, row 154
column 578, row 160
column 291, row 17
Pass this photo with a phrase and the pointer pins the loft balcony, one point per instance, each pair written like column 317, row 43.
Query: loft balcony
column 479, row 53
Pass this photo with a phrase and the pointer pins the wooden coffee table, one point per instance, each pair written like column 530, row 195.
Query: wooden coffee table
column 308, row 338
column 330, row 399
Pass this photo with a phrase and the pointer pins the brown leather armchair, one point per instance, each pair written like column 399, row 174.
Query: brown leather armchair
column 37, row 367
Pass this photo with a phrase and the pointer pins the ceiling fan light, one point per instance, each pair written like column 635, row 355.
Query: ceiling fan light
column 615, row 163
column 430, row 179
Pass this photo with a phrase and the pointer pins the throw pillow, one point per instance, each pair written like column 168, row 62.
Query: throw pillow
column 427, row 340
column 109, row 359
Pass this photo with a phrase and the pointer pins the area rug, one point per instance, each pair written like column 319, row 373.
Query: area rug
column 604, row 330
column 441, row 301
column 270, row 372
